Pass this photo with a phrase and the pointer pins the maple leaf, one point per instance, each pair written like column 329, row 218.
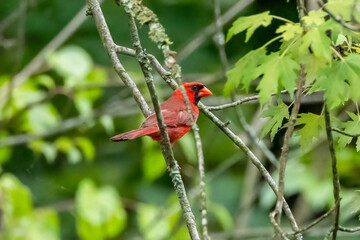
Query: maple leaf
column 250, row 24
column 278, row 70
column 313, row 66
column 289, row 31
column 351, row 127
column 313, row 125
column 277, row 115
column 340, row 81
column 316, row 41
column 244, row 70
column 314, row 18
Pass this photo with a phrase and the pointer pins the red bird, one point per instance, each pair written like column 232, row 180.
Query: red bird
column 176, row 116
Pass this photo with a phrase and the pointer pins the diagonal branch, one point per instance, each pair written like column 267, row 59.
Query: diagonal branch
column 110, row 47
column 238, row 142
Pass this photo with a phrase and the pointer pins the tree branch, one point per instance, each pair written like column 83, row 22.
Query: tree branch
column 344, row 133
column 336, row 181
column 349, row 230
column 316, row 221
column 276, row 225
column 165, row 142
column 110, row 47
column 240, row 101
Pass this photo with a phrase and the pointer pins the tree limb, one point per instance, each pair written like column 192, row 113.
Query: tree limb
column 110, row 47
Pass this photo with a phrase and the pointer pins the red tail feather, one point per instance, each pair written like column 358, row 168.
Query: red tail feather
column 135, row 134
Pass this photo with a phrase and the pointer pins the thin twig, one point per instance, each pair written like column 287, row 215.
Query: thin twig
column 349, row 230
column 316, row 221
column 336, row 181
column 354, row 27
column 276, row 225
column 344, row 133
column 285, row 149
column 240, row 101
column 110, row 47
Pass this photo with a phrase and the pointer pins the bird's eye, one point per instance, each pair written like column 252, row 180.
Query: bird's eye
column 196, row 88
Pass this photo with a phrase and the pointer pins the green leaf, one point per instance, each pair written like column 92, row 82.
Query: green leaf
column 314, row 18
column 99, row 212
column 244, row 71
column 289, row 31
column 108, row 124
column 313, row 66
column 317, row 42
column 341, row 8
column 277, row 115
column 313, row 126
column 87, row 147
column 83, row 105
column 188, row 147
column 351, row 127
column 340, row 82
column 250, row 24
column 66, row 145
column 47, row 149
column 71, row 62
column 340, row 40
column 42, row 118
column 16, row 199
column 153, row 163
column 151, row 224
column 222, row 215
column 278, row 71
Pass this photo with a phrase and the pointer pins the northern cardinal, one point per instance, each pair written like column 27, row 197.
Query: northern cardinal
column 176, row 116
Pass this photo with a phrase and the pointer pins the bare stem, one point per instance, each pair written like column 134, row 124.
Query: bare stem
column 109, row 45
column 344, row 133
column 277, row 227
column 336, row 181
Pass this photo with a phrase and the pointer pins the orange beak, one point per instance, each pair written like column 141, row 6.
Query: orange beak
column 204, row 92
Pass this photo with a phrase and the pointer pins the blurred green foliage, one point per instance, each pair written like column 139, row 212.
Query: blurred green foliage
column 61, row 178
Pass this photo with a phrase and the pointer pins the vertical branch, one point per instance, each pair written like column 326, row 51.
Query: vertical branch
column 301, row 8
column 109, row 45
column 165, row 143
column 336, row 181
column 158, row 35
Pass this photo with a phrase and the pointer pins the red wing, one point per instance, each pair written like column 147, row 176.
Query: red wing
column 172, row 119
